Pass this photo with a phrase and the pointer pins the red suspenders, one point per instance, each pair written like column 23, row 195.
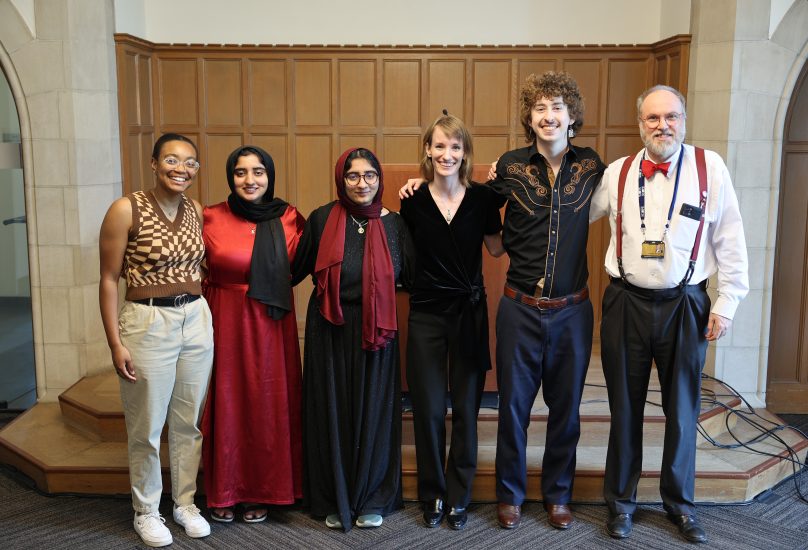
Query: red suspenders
column 701, row 168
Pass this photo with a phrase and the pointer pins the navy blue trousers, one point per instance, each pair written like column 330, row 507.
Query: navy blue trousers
column 665, row 327
column 535, row 348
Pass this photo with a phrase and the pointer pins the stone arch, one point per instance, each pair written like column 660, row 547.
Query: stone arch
column 14, row 27
column 792, row 36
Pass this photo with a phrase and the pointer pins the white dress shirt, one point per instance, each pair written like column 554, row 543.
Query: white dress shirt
column 722, row 249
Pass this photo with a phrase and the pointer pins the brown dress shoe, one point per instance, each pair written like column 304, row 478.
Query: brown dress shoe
column 508, row 515
column 559, row 515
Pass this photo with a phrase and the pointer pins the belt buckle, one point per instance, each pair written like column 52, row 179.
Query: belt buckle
column 181, row 300
column 539, row 301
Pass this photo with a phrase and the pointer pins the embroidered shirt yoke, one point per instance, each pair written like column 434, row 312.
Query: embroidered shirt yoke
column 547, row 218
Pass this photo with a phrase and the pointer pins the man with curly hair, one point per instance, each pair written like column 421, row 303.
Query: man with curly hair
column 544, row 322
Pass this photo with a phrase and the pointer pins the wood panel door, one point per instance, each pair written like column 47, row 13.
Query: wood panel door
column 788, row 342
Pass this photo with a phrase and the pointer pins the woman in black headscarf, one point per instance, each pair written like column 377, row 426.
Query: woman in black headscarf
column 252, row 449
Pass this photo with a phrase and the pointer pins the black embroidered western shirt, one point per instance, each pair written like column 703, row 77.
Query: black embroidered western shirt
column 547, row 223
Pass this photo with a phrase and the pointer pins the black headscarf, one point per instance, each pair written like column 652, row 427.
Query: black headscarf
column 270, row 282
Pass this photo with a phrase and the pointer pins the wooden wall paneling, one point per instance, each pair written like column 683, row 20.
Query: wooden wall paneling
column 618, row 146
column 277, row 147
column 447, row 88
column 312, row 92
column 178, row 90
column 402, row 149
column 357, row 140
column 135, row 113
column 223, row 85
column 144, row 72
column 586, row 141
column 671, row 57
column 662, row 69
column 315, row 171
column 130, row 80
column 299, row 103
column 490, row 88
column 628, row 78
column 218, row 148
column 267, row 98
column 488, row 148
column 533, row 66
column 136, row 167
column 401, row 93
column 587, row 73
column 356, row 98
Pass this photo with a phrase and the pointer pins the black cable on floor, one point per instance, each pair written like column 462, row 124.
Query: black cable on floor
column 748, row 415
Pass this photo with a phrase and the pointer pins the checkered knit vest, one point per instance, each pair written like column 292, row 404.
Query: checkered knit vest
column 162, row 258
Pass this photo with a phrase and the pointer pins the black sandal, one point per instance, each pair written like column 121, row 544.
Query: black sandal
column 221, row 518
column 248, row 508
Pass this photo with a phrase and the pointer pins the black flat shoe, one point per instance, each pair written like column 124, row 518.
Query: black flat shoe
column 619, row 526
column 433, row 512
column 457, row 518
column 689, row 527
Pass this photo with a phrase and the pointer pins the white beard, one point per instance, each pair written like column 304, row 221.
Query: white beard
column 664, row 151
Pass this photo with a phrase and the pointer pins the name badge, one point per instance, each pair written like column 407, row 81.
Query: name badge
column 653, row 249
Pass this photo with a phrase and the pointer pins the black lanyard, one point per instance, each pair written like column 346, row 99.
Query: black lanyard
column 641, row 195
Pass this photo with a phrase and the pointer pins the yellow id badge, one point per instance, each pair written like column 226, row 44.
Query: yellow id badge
column 653, row 249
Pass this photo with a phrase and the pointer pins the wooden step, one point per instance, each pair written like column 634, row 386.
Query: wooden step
column 715, row 417
column 79, row 446
column 722, row 475
column 93, row 406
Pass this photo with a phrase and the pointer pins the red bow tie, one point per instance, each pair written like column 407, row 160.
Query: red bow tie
column 648, row 168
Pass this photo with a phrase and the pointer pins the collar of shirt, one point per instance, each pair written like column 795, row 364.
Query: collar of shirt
column 673, row 159
column 537, row 159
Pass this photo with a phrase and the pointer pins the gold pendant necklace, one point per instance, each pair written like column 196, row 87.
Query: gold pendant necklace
column 360, row 226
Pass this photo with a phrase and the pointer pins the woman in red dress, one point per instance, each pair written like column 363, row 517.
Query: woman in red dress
column 252, row 450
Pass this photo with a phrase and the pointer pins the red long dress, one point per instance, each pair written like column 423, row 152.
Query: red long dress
column 252, row 449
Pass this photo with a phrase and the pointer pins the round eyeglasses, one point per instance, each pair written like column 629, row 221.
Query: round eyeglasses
column 653, row 121
column 353, row 178
column 173, row 162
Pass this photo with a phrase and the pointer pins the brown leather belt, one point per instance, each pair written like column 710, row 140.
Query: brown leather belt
column 548, row 303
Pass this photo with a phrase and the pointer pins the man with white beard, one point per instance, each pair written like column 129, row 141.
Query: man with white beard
column 674, row 222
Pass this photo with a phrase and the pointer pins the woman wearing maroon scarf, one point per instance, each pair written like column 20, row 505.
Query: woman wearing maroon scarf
column 354, row 250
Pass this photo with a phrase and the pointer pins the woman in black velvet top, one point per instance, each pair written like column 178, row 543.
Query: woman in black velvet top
column 449, row 219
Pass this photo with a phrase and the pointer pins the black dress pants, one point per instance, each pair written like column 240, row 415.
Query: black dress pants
column 640, row 327
column 434, row 358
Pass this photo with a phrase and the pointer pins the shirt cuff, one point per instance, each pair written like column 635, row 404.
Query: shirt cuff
column 725, row 306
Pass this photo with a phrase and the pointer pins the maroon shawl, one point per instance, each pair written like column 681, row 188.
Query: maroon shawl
column 378, row 285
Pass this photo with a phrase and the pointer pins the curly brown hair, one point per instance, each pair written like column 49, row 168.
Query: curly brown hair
column 549, row 85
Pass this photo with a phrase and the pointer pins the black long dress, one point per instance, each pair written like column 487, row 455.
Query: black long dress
column 351, row 397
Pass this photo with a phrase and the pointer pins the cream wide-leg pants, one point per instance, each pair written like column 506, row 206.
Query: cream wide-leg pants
column 172, row 353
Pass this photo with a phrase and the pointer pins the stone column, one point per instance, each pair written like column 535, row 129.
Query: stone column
column 69, row 119
column 740, row 83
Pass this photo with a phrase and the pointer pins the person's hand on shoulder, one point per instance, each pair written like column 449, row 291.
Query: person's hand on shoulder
column 409, row 188
column 492, row 171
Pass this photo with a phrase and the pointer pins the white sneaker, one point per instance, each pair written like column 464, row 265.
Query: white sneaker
column 189, row 517
column 332, row 521
column 152, row 530
column 369, row 520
